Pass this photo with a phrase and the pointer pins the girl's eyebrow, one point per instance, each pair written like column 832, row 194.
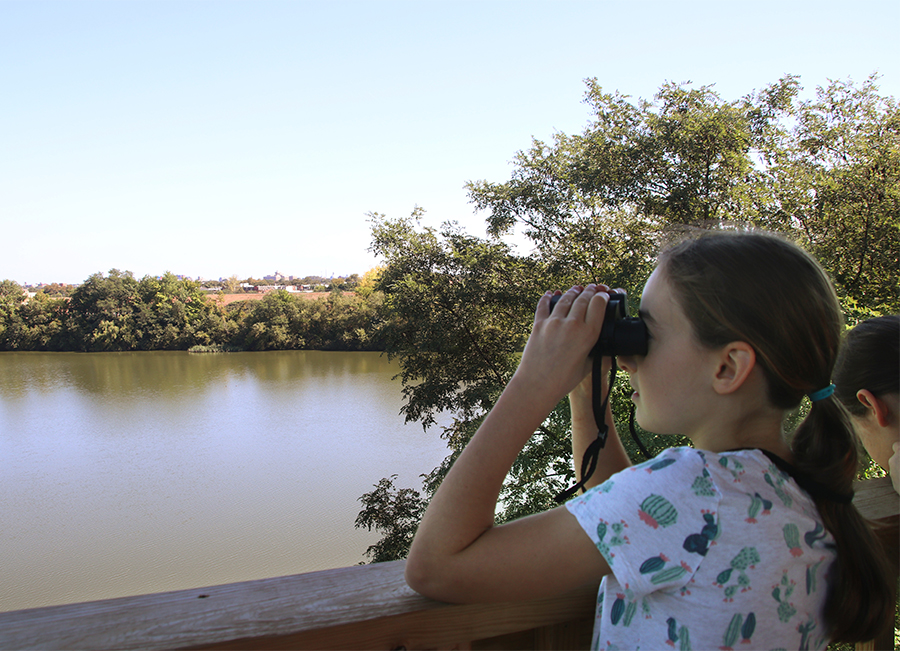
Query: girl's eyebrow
column 645, row 315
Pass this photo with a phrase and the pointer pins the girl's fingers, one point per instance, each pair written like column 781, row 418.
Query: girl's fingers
column 596, row 309
column 568, row 300
column 576, row 301
column 543, row 306
column 589, row 302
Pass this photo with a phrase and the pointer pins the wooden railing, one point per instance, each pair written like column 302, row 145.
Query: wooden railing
column 362, row 607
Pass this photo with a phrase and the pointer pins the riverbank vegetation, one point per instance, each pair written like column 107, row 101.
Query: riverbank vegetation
column 117, row 312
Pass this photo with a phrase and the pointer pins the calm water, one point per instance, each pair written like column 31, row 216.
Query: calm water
column 128, row 473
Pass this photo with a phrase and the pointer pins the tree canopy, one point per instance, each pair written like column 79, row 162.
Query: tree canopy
column 117, row 312
column 824, row 171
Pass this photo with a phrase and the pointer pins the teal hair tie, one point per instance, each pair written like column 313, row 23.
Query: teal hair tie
column 821, row 394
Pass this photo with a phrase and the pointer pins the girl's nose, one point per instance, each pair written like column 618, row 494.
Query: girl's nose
column 626, row 363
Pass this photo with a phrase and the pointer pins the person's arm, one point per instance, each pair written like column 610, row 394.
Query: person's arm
column 458, row 554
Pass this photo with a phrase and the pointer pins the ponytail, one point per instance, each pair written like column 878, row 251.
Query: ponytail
column 860, row 602
column 763, row 290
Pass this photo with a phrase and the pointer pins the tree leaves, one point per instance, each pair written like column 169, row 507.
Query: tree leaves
column 597, row 205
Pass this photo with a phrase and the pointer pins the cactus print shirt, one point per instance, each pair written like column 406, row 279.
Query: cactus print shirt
column 707, row 551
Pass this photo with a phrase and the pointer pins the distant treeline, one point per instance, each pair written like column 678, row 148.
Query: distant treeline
column 117, row 312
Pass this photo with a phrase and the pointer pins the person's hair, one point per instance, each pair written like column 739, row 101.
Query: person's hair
column 869, row 359
column 761, row 289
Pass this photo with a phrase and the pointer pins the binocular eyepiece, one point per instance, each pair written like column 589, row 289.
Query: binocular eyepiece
column 620, row 334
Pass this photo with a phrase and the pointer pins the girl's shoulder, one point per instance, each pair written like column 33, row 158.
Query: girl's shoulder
column 736, row 463
column 703, row 474
column 672, row 460
column 672, row 472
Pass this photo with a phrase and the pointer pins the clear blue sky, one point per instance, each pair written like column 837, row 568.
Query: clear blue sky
column 223, row 138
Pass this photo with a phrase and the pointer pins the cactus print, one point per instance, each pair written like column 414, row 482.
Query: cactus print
column 739, row 628
column 782, row 593
column 792, row 538
column 812, row 574
column 656, row 567
column 777, row 485
column 703, row 485
column 617, row 538
column 678, row 636
column 653, row 466
column 732, row 465
column 671, row 574
column 758, row 506
column 708, row 551
column 623, row 610
column 805, row 629
column 746, row 558
column 699, row 543
column 817, row 534
column 653, row 564
column 737, row 571
column 657, row 511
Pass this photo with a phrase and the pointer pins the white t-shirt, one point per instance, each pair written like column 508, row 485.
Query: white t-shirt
column 707, row 551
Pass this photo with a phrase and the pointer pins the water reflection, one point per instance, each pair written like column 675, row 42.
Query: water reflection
column 171, row 373
column 128, row 473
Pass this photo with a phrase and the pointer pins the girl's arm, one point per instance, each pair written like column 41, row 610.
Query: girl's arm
column 458, row 554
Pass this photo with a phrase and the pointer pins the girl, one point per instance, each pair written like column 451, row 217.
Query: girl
column 867, row 375
column 742, row 538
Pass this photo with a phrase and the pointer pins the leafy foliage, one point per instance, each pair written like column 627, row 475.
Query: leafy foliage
column 281, row 321
column 834, row 180
column 395, row 513
column 117, row 312
column 597, row 206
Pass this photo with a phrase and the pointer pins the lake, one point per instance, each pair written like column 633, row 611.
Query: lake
column 131, row 473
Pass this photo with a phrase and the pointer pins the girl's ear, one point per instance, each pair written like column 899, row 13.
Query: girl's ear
column 736, row 361
column 875, row 406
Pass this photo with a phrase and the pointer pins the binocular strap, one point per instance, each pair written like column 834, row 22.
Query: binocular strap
column 592, row 454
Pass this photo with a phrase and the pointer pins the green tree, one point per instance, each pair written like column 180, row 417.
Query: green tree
column 12, row 297
column 232, row 285
column 103, row 312
column 39, row 324
column 459, row 311
column 283, row 321
column 393, row 512
column 57, row 290
column 273, row 324
column 834, row 178
column 597, row 206
column 174, row 314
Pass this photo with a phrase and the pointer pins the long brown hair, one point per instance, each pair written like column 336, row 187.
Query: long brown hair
column 761, row 289
column 869, row 359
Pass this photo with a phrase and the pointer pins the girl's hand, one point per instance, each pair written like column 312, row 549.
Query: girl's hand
column 556, row 355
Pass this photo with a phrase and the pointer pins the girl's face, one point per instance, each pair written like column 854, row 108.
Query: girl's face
column 878, row 437
column 672, row 381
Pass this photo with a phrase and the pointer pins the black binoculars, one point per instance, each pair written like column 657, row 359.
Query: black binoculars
column 621, row 334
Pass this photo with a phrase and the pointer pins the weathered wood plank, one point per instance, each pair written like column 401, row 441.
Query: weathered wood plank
column 266, row 607
column 360, row 607
column 876, row 498
column 441, row 626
